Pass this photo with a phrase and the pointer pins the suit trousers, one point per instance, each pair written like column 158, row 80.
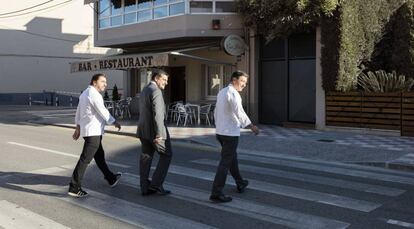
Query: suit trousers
column 92, row 148
column 148, row 148
column 228, row 162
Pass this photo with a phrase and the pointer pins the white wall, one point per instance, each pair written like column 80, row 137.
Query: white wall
column 37, row 47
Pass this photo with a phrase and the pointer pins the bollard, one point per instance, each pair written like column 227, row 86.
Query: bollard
column 30, row 100
column 57, row 101
column 71, row 101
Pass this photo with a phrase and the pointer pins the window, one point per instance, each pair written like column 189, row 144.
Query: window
column 160, row 12
column 178, row 8
column 201, row 7
column 119, row 12
column 144, row 76
column 212, row 6
column 217, row 76
column 226, row 7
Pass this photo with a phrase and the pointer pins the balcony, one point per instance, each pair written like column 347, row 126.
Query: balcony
column 121, row 23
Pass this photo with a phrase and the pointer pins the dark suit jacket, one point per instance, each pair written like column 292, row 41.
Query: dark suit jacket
column 151, row 113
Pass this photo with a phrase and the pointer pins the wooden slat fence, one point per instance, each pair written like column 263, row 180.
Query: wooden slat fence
column 364, row 110
column 391, row 111
column 407, row 114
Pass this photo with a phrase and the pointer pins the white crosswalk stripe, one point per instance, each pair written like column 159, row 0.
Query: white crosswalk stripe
column 247, row 208
column 125, row 211
column 313, row 179
column 13, row 216
column 319, row 197
column 330, row 169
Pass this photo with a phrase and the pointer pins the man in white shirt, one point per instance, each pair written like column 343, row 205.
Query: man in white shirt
column 230, row 117
column 91, row 118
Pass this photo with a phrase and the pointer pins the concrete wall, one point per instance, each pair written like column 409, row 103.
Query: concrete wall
column 320, row 122
column 36, row 48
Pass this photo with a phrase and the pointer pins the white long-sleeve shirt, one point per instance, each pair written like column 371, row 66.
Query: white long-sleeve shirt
column 229, row 113
column 91, row 114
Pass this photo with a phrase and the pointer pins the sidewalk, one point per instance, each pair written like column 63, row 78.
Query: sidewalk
column 376, row 148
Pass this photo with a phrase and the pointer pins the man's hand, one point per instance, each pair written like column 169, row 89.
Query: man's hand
column 117, row 125
column 254, row 129
column 76, row 135
column 157, row 140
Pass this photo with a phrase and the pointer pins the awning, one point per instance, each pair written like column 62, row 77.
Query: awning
column 120, row 62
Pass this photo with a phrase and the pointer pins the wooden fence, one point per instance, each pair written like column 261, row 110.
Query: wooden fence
column 391, row 111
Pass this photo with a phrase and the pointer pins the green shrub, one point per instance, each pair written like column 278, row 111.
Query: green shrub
column 278, row 19
column 381, row 81
column 361, row 28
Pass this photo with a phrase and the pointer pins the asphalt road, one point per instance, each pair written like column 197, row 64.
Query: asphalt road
column 37, row 162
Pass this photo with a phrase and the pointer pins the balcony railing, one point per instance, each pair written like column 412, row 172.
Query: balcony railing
column 114, row 13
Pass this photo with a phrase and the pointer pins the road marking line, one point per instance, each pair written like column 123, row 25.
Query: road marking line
column 247, row 208
column 13, row 216
column 318, row 197
column 132, row 213
column 312, row 179
column 400, row 223
column 331, row 169
column 63, row 153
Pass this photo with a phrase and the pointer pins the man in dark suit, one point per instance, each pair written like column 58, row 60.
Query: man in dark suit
column 153, row 134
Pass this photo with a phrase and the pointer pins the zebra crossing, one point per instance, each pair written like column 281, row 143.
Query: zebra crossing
column 372, row 187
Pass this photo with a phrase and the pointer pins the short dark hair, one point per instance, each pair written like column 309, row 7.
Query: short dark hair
column 96, row 77
column 237, row 74
column 157, row 73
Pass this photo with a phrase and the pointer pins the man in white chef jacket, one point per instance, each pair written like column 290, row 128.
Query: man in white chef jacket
column 91, row 118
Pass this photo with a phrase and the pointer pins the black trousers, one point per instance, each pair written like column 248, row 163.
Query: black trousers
column 92, row 148
column 228, row 162
column 148, row 149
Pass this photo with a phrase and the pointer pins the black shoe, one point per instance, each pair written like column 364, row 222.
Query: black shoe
column 220, row 198
column 117, row 178
column 148, row 192
column 242, row 186
column 77, row 192
column 159, row 190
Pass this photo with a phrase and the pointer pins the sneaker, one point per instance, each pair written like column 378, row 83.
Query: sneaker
column 77, row 193
column 117, row 178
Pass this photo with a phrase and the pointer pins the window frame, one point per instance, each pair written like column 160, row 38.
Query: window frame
column 224, row 79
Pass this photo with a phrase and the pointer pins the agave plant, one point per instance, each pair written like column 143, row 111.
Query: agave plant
column 381, row 81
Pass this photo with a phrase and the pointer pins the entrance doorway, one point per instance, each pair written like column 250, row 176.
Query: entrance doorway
column 175, row 90
column 287, row 80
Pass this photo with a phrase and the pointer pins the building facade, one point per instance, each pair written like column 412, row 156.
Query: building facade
column 38, row 42
column 191, row 36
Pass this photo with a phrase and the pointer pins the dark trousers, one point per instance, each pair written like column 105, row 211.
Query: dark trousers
column 92, row 148
column 148, row 148
column 228, row 162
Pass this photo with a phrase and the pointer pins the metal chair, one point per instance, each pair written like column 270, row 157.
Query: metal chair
column 182, row 114
column 205, row 112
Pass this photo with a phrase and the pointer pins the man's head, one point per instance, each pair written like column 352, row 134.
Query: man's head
column 160, row 77
column 98, row 81
column 239, row 80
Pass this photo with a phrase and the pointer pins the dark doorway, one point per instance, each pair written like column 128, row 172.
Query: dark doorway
column 287, row 80
column 176, row 85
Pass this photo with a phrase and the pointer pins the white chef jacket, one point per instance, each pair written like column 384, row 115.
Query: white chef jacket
column 91, row 114
column 229, row 114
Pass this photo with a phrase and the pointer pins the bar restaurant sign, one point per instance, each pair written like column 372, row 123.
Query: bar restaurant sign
column 121, row 62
